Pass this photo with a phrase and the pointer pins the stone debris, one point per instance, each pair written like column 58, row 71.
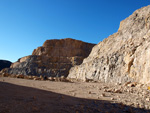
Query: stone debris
column 20, row 76
column 103, row 95
column 37, row 78
column 148, row 99
column 42, row 78
column 117, row 91
column 132, row 84
column 89, row 92
column 112, row 99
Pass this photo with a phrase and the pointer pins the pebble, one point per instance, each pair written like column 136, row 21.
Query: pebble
column 105, row 87
column 141, row 105
column 136, row 105
column 103, row 95
column 146, row 107
column 89, row 92
column 73, row 94
column 132, row 84
column 109, row 90
column 117, row 91
column 147, row 99
column 145, row 92
column 112, row 99
column 105, row 90
column 136, row 98
column 118, row 96
column 128, row 90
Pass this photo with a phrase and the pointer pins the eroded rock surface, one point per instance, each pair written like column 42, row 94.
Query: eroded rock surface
column 123, row 56
column 54, row 58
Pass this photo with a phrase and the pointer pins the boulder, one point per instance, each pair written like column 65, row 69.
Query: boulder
column 123, row 56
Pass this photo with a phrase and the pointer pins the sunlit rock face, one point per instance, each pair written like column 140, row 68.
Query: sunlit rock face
column 54, row 58
column 123, row 56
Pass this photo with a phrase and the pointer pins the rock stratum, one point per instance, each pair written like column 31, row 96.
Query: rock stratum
column 54, row 58
column 4, row 64
column 123, row 56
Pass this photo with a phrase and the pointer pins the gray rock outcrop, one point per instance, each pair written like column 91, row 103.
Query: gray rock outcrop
column 54, row 58
column 123, row 56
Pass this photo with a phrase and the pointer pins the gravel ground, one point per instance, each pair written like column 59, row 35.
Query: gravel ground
column 33, row 96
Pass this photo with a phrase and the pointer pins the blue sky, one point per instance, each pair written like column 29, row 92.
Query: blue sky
column 26, row 24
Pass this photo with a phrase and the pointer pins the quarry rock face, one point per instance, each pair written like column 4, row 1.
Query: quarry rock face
column 54, row 58
column 4, row 64
column 123, row 56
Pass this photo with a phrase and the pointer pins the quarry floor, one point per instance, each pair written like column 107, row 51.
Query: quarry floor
column 33, row 96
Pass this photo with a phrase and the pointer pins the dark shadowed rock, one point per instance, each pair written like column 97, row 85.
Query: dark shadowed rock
column 4, row 64
column 54, row 58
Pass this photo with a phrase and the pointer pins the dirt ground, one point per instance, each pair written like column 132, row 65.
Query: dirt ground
column 30, row 96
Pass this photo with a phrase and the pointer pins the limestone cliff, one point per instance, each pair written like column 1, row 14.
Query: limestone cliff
column 54, row 58
column 123, row 56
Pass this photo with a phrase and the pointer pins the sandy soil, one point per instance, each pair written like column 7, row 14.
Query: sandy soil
column 29, row 96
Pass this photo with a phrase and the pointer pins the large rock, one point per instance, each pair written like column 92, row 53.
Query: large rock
column 123, row 56
column 54, row 58
column 4, row 64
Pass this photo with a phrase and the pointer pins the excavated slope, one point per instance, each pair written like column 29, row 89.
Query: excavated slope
column 54, row 58
column 123, row 56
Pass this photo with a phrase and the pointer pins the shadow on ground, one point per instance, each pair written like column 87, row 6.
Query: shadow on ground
column 20, row 99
